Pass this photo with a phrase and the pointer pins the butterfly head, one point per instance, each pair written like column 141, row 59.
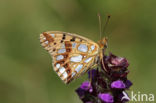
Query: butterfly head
column 103, row 43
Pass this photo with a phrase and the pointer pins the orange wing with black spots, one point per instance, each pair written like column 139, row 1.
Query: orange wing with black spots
column 72, row 54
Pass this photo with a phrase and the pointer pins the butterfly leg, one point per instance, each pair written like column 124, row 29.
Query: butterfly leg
column 94, row 66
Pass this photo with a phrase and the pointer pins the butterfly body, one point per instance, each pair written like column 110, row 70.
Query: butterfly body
column 72, row 55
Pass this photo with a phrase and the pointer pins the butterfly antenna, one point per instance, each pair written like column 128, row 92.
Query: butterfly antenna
column 105, row 26
column 100, row 25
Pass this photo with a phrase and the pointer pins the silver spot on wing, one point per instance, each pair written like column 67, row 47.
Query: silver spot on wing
column 65, row 75
column 78, row 68
column 59, row 57
column 74, row 45
column 92, row 47
column 61, row 50
column 63, row 45
column 73, row 74
column 53, row 35
column 58, row 65
column 83, row 48
column 62, row 70
column 76, row 58
column 46, row 42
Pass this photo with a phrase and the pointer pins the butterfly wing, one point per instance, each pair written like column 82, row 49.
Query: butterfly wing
column 72, row 54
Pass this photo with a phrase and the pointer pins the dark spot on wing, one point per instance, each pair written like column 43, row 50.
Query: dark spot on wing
column 68, row 50
column 48, row 37
column 65, row 55
column 61, row 41
column 61, row 61
column 80, row 40
column 65, row 65
column 68, row 70
column 57, row 70
column 64, row 37
column 64, row 34
column 68, row 44
column 73, row 39
column 54, row 49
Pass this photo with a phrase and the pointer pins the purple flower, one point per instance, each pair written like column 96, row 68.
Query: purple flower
column 107, row 84
column 106, row 97
column 115, row 65
column 102, row 83
column 92, row 73
column 118, row 61
column 119, row 74
column 118, row 84
column 80, row 92
column 86, row 86
column 128, row 83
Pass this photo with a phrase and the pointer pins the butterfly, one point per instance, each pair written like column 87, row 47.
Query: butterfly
column 72, row 54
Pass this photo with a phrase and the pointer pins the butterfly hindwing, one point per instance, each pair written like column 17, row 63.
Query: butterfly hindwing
column 72, row 54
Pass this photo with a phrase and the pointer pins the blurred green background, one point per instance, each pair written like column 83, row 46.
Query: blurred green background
column 26, row 74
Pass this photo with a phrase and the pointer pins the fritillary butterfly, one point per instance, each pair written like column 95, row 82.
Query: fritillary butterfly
column 72, row 55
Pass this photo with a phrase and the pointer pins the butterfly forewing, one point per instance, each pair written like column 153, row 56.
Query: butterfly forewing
column 72, row 54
